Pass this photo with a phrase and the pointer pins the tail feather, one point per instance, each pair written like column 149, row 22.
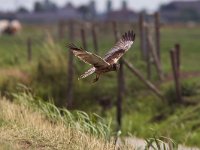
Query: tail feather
column 87, row 73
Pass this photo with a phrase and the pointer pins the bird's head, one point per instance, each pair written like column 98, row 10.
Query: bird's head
column 116, row 67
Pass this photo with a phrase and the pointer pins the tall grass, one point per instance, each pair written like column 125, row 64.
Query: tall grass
column 30, row 123
column 91, row 124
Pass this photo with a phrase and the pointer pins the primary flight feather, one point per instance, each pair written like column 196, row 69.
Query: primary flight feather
column 109, row 62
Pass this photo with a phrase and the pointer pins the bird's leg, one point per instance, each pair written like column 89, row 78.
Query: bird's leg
column 97, row 78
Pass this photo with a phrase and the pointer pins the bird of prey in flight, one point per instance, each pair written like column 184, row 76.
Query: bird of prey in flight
column 109, row 62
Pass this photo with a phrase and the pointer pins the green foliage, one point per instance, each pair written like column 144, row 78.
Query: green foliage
column 49, row 74
column 8, row 84
column 187, row 90
column 179, row 122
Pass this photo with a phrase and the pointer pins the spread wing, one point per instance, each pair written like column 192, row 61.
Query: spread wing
column 120, row 48
column 88, row 57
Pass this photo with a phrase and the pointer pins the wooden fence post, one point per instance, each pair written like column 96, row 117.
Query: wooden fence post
column 157, row 34
column 177, row 47
column 154, row 54
column 142, row 78
column 174, row 62
column 121, row 83
column 120, row 91
column 29, row 49
column 83, row 38
column 94, row 37
column 70, row 69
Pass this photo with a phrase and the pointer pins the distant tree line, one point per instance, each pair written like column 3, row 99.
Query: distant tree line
column 40, row 7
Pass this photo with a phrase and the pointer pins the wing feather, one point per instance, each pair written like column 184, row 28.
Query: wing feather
column 88, row 57
column 120, row 48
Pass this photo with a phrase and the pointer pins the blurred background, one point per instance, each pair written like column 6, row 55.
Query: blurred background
column 33, row 11
column 157, row 89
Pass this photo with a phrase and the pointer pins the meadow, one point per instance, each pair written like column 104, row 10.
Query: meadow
column 144, row 114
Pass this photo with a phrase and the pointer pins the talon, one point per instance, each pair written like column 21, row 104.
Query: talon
column 96, row 79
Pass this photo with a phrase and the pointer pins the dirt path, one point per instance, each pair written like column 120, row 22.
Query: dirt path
column 139, row 144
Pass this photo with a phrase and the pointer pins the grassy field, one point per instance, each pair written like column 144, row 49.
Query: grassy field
column 144, row 114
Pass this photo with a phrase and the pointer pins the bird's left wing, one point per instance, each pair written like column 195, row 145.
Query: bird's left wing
column 120, row 48
column 88, row 57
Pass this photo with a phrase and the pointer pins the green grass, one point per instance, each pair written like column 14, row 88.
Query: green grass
column 47, row 77
column 188, row 39
column 147, row 115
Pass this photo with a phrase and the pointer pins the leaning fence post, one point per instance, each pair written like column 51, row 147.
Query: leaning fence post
column 154, row 54
column 94, row 37
column 121, row 83
column 174, row 62
column 29, row 49
column 137, row 73
column 157, row 34
column 70, row 69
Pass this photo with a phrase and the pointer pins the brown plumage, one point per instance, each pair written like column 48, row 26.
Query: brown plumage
column 109, row 62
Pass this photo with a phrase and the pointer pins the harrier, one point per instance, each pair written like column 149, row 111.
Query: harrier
column 109, row 62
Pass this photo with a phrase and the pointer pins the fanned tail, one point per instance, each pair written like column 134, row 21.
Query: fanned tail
column 87, row 73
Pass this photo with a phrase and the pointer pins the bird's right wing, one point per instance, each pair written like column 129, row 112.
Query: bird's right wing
column 88, row 57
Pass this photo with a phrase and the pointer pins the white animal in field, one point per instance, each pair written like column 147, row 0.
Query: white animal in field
column 3, row 25
column 15, row 24
column 10, row 27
